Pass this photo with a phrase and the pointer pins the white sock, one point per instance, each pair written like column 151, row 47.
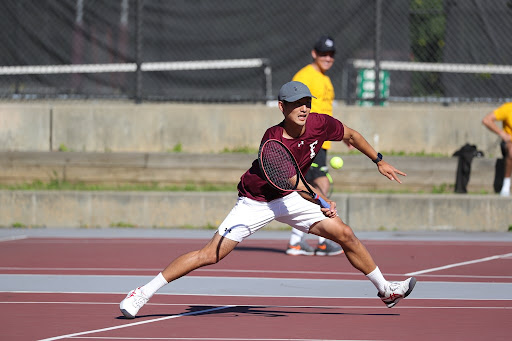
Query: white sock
column 321, row 240
column 296, row 236
column 377, row 279
column 154, row 285
column 506, row 185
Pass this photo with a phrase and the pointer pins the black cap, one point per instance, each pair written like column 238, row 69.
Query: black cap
column 325, row 44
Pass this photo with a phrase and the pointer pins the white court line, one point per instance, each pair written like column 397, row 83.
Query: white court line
column 486, row 259
column 208, row 339
column 6, row 239
column 198, row 270
column 247, row 296
column 382, row 307
column 135, row 323
column 358, row 274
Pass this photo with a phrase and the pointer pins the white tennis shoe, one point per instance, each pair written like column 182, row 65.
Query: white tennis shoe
column 396, row 291
column 131, row 305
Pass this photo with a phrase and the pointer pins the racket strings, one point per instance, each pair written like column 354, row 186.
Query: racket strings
column 279, row 166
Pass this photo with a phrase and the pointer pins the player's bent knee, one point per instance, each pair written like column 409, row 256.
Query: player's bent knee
column 346, row 235
column 335, row 229
column 208, row 257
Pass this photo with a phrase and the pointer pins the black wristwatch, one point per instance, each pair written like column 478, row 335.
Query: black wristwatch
column 378, row 158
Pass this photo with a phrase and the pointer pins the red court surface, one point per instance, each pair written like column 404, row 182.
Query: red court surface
column 95, row 316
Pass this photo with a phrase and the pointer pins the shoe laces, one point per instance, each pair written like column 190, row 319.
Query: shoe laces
column 139, row 299
column 393, row 286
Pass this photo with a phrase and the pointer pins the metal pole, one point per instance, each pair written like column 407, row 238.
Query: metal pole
column 378, row 23
column 267, row 71
column 138, row 51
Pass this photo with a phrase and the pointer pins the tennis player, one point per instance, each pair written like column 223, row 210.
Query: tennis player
column 259, row 203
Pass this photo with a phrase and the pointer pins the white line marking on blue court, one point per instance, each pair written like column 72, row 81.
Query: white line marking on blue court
column 11, row 238
column 358, row 274
column 486, row 259
column 207, row 339
column 379, row 306
column 136, row 323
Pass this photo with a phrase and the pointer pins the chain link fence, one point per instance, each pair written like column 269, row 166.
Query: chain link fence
column 244, row 50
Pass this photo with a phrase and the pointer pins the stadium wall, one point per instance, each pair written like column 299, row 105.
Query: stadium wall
column 98, row 126
column 82, row 209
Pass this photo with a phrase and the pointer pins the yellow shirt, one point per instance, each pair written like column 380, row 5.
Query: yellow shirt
column 504, row 113
column 321, row 87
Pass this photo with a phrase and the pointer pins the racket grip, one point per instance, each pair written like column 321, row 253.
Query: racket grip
column 323, row 203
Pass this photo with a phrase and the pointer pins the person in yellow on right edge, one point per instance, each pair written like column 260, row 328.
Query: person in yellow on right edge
column 320, row 85
column 504, row 114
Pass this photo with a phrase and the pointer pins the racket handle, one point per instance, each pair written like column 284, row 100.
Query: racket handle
column 323, row 203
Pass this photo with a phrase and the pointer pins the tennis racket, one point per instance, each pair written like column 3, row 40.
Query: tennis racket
column 281, row 170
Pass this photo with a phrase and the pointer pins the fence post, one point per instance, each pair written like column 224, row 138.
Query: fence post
column 267, row 85
column 138, row 51
column 378, row 31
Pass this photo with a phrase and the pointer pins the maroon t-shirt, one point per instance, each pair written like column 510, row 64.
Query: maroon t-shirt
column 319, row 128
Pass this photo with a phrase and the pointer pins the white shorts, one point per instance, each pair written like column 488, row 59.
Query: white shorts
column 249, row 215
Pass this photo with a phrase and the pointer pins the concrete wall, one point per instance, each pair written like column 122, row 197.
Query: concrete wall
column 123, row 126
column 148, row 128
column 364, row 212
column 358, row 173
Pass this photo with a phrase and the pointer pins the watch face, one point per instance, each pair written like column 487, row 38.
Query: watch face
column 379, row 157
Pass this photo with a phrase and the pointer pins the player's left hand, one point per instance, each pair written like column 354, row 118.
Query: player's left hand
column 331, row 211
column 389, row 171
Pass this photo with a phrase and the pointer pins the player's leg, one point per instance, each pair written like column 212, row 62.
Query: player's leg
column 336, row 230
column 505, row 188
column 319, row 179
column 297, row 245
column 357, row 254
column 216, row 249
column 245, row 218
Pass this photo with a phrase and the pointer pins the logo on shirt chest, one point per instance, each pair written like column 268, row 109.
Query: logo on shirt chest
column 312, row 149
column 312, row 146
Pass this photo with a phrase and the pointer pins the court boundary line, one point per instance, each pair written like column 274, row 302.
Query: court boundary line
column 486, row 259
column 253, row 296
column 206, row 339
column 17, row 268
column 135, row 323
column 11, row 238
column 272, row 306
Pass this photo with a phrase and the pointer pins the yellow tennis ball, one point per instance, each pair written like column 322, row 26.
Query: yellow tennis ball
column 336, row 162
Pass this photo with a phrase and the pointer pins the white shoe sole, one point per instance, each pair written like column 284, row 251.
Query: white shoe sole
column 127, row 314
column 293, row 252
column 321, row 253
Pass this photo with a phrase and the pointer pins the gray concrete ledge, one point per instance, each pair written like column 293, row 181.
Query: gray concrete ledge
column 364, row 212
column 117, row 126
column 357, row 174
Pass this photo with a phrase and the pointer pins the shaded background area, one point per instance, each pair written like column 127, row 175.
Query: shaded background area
column 76, row 32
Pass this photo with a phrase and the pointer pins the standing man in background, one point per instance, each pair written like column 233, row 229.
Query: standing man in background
column 320, row 85
column 504, row 114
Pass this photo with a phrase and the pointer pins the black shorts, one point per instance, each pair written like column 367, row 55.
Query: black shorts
column 504, row 150
column 318, row 167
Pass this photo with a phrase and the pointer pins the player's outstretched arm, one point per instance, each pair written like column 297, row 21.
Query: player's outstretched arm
column 357, row 140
